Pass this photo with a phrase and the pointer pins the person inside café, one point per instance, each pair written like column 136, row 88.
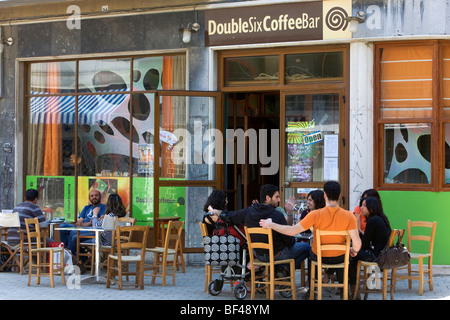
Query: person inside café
column 331, row 217
column 285, row 247
column 375, row 238
column 27, row 210
column 95, row 207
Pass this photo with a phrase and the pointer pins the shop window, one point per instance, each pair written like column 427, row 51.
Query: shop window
column 407, row 153
column 408, row 102
column 313, row 66
column 251, row 70
column 109, row 116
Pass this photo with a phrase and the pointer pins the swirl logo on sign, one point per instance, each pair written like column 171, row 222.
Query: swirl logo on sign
column 335, row 19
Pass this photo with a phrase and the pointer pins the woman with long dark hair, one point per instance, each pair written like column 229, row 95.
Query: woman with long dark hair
column 114, row 208
column 375, row 238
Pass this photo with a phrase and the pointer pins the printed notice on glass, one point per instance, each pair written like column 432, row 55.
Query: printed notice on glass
column 331, row 145
column 330, row 169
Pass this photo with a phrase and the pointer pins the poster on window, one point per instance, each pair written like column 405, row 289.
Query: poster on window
column 300, row 154
column 146, row 158
column 56, row 196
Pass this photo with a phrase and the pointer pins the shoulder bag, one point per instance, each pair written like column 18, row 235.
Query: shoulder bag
column 393, row 257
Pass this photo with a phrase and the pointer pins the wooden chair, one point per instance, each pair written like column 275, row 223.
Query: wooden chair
column 160, row 234
column 39, row 255
column 160, row 262
column 271, row 279
column 365, row 265
column 88, row 250
column 105, row 250
column 316, row 281
column 122, row 255
column 422, row 236
column 210, row 270
column 10, row 220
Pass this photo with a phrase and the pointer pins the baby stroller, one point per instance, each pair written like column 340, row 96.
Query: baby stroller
column 233, row 264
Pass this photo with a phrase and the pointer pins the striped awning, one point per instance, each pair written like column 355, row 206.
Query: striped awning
column 61, row 109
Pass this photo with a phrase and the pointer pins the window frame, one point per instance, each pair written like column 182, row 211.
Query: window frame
column 437, row 123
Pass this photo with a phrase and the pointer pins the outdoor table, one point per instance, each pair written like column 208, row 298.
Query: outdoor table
column 97, row 231
column 305, row 236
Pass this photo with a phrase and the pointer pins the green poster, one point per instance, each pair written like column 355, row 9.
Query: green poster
column 171, row 201
column 56, row 195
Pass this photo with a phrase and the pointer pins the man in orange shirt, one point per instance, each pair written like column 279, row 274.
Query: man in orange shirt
column 332, row 218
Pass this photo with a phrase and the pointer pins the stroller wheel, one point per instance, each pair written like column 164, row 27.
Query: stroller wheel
column 240, row 291
column 215, row 287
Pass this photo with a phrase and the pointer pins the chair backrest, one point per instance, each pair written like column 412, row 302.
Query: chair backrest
column 140, row 234
column 33, row 232
column 263, row 241
column 173, row 234
column 396, row 233
column 10, row 220
column 124, row 221
column 345, row 248
column 203, row 229
column 423, row 236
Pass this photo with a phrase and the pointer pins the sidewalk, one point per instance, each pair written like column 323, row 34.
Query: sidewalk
column 189, row 286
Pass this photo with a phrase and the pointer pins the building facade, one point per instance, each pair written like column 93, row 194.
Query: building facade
column 124, row 100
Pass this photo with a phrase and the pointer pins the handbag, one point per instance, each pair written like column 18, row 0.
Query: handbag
column 393, row 257
column 221, row 250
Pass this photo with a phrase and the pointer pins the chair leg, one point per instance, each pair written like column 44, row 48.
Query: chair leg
column 30, row 269
column 420, row 276
column 38, row 268
column 430, row 273
column 385, row 276
column 155, row 266
column 312, row 282
column 319, row 283
column 293, row 289
column 409, row 275
column 164, row 270
column 358, row 273
column 252, row 283
column 393, row 282
column 108, row 273
column 50, row 267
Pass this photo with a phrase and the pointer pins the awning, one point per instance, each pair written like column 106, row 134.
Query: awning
column 61, row 109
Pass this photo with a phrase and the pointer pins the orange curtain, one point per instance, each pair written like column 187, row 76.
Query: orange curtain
column 53, row 132
column 406, row 81
column 167, row 165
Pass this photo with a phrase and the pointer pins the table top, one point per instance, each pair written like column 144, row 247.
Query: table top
column 304, row 235
column 168, row 218
column 81, row 228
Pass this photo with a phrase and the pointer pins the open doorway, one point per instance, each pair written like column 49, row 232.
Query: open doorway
column 250, row 112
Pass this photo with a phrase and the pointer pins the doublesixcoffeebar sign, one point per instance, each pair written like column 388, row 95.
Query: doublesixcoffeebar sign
column 315, row 20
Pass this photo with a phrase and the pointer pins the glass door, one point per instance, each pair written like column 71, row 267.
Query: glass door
column 312, row 143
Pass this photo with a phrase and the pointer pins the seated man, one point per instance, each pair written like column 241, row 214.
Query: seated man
column 69, row 237
column 333, row 218
column 285, row 247
column 26, row 210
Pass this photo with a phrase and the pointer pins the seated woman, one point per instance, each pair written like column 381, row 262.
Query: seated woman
column 376, row 235
column 315, row 200
column 360, row 218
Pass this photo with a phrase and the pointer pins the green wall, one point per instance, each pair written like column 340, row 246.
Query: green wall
column 401, row 206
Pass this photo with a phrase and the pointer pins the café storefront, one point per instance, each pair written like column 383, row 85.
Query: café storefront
column 263, row 93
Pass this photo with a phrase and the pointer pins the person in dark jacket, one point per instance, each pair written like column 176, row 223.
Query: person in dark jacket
column 285, row 247
column 375, row 238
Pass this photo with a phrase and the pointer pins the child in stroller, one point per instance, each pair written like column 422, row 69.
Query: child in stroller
column 230, row 269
